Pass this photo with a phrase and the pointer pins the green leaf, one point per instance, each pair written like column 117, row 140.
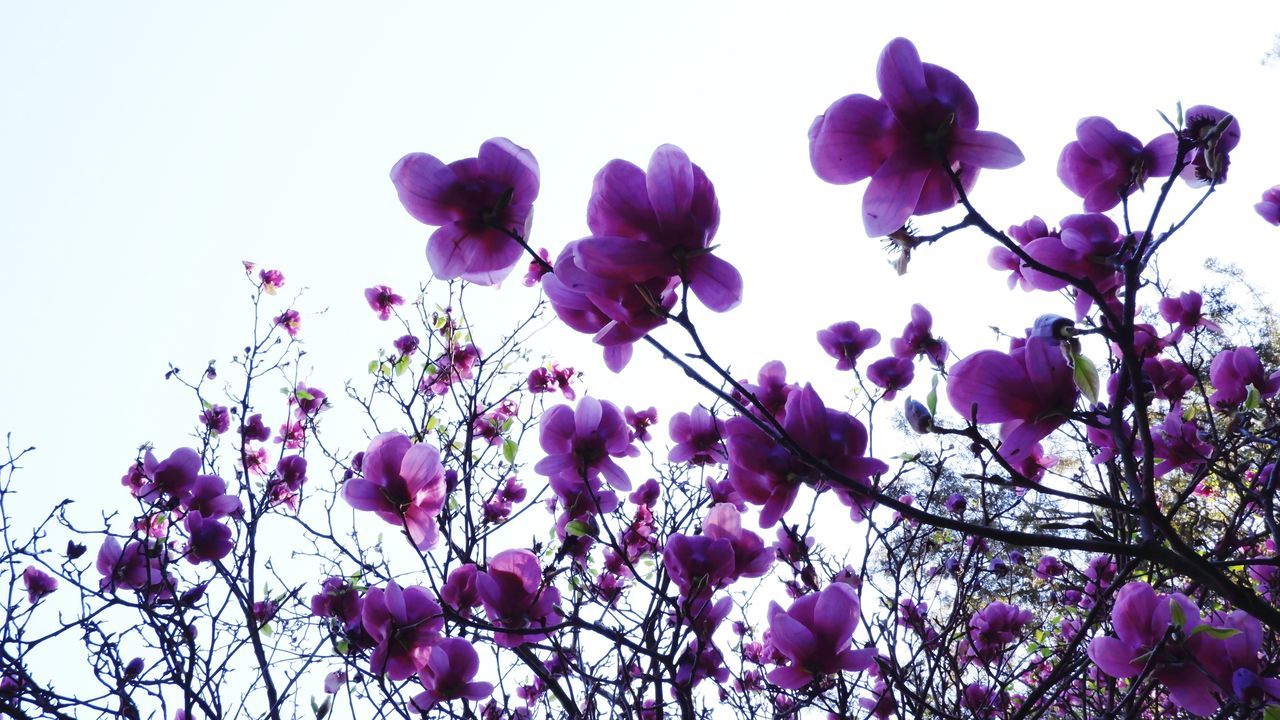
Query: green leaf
column 1254, row 400
column 1086, row 377
column 373, row 366
column 577, row 528
column 402, row 365
column 1217, row 633
column 509, row 448
column 303, row 395
column 931, row 400
column 1271, row 713
column 432, row 423
column 1176, row 613
column 266, row 630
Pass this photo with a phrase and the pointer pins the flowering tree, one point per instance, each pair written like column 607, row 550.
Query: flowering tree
column 1085, row 528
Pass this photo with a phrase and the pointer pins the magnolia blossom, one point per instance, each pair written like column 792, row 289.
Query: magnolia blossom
column 1030, row 390
column 448, row 673
column 698, row 437
column 815, row 635
column 403, row 484
column 767, row 473
column 909, row 142
column 581, row 443
column 515, row 598
column 1269, row 208
column 917, row 339
column 477, row 204
column 846, row 341
column 404, row 623
column 38, row 583
column 1234, row 371
column 382, row 300
column 1104, row 165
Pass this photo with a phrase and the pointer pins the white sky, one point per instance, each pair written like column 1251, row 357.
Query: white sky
column 146, row 148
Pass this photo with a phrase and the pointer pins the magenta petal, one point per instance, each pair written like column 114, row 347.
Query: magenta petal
column 1113, row 657
column 420, row 180
column 633, row 261
column 477, row 691
column 791, row 637
column 364, row 495
column 616, row 357
column 852, row 140
column 1020, row 437
column 900, row 75
column 715, row 282
column 984, row 149
column 447, row 250
column 790, row 677
column 993, row 381
column 836, row 614
column 421, row 464
column 891, row 197
column 620, row 202
column 670, row 184
column 1100, row 138
column 511, row 165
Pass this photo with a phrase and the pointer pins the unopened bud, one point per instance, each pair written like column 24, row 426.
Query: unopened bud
column 918, row 416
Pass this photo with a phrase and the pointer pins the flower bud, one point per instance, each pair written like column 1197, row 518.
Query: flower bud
column 918, row 416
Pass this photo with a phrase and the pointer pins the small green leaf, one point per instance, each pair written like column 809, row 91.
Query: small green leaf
column 266, row 630
column 1176, row 613
column 432, row 423
column 1254, row 400
column 1086, row 377
column 509, row 448
column 931, row 400
column 373, row 366
column 1271, row 713
column 1217, row 633
column 577, row 528
column 303, row 395
column 402, row 365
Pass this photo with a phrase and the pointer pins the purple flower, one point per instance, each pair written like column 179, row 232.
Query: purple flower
column 1269, row 208
column 751, row 558
column 698, row 563
column 403, row 484
column 1104, row 165
column 892, row 374
column 646, row 494
column 1183, row 312
column 815, row 636
column 290, row 320
column 208, row 495
column 922, row 128
column 917, row 339
column 447, row 675
column 209, row 540
column 1087, row 247
column 137, row 565
column 382, row 300
column 698, row 437
column 406, row 345
column 514, row 597
column 272, row 280
column 334, row 680
column 307, row 401
column 264, row 611
column 538, row 268
column 771, row 391
column 582, row 443
column 766, row 473
column 404, row 624
column 658, row 224
column 956, row 504
column 846, row 341
column 1177, row 443
column 1049, row 567
column 993, row 630
column 1233, row 371
column 1212, row 134
column 459, row 591
column 640, row 421
column 476, row 203
column 1031, row 391
column 254, row 429
column 38, row 583
column 217, row 419
column 984, row 702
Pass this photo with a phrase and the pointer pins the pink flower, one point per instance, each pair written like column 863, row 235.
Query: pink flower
column 846, row 341
column 290, row 320
column 767, row 473
column 272, row 280
column 923, row 124
column 382, row 300
column 38, row 583
column 917, row 339
column 137, row 565
column 1234, row 371
column 751, row 558
column 892, row 374
column 447, row 675
column 1031, row 390
column 698, row 437
column 403, row 484
column 514, row 597
column 993, row 630
column 1183, row 312
column 476, row 203
column 582, row 443
column 1269, row 208
column 1105, row 164
column 404, row 624
column 459, row 591
column 815, row 635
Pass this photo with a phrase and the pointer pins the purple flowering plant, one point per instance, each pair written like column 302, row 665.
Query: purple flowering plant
column 1085, row 528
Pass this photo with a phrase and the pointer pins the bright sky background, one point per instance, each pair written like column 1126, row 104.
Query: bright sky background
column 147, row 148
